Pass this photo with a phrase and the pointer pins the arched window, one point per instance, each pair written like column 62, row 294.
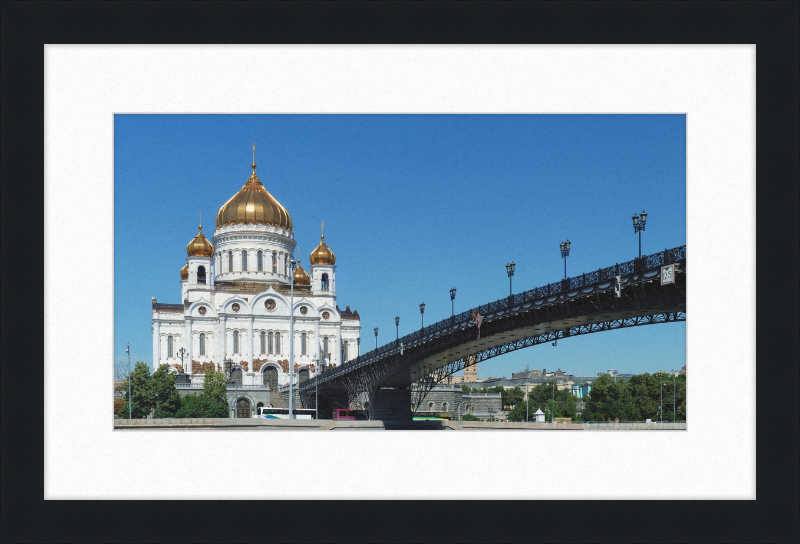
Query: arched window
column 430, row 407
column 344, row 347
column 202, row 344
column 325, row 345
column 264, row 341
column 230, row 261
column 244, row 261
column 169, row 346
column 325, row 284
column 260, row 261
column 274, row 263
column 270, row 343
column 278, row 343
column 303, row 344
column 444, row 407
column 236, row 341
column 201, row 274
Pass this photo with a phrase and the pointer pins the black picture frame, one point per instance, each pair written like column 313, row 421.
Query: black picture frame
column 772, row 26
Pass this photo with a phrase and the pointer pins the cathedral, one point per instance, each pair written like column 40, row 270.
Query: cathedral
column 235, row 292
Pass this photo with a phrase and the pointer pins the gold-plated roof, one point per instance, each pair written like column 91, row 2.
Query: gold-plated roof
column 322, row 254
column 200, row 246
column 301, row 277
column 254, row 205
column 185, row 272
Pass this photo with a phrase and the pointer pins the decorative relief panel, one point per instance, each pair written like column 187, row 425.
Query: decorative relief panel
column 240, row 227
column 270, row 305
column 303, row 310
column 284, row 365
column 200, row 368
column 235, row 307
column 326, row 315
column 257, row 364
column 244, row 365
column 202, row 310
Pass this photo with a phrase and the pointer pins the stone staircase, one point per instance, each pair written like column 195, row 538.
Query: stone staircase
column 277, row 401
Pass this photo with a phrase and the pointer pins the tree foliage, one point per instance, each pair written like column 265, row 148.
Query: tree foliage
column 637, row 399
column 201, row 405
column 166, row 399
column 215, row 386
column 142, row 398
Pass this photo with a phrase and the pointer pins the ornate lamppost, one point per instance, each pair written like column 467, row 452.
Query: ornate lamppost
column 376, row 337
column 422, row 313
column 510, row 270
column 228, row 370
column 397, row 326
column 638, row 226
column 182, row 354
column 452, row 301
column 564, row 254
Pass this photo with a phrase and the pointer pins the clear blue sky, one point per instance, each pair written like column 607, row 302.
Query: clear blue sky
column 413, row 205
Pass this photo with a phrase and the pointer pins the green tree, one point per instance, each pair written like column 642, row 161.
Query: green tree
column 201, row 405
column 142, row 398
column 166, row 396
column 469, row 417
column 215, row 386
column 465, row 389
column 512, row 397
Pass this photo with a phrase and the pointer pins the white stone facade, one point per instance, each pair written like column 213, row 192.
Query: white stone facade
column 248, row 321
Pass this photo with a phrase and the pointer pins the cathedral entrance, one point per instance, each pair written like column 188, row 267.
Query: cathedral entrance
column 236, row 377
column 242, row 408
column 302, row 376
column 270, row 378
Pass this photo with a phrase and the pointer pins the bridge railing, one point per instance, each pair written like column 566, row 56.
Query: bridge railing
column 464, row 319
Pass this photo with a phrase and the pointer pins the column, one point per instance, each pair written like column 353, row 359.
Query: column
column 189, row 343
column 250, row 347
column 318, row 363
column 156, row 344
column 223, row 341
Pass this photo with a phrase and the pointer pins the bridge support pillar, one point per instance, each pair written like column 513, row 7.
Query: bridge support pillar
column 390, row 404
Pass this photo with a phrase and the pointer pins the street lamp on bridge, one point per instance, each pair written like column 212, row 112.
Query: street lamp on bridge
column 638, row 226
column 452, row 301
column 564, row 254
column 397, row 326
column 376, row 337
column 422, row 314
column 510, row 269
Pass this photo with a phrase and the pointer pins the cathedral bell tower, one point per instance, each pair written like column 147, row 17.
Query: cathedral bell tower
column 323, row 269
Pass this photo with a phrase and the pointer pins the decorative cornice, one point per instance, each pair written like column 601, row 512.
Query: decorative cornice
column 250, row 227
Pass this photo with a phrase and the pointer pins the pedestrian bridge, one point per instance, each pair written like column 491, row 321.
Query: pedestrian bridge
column 402, row 372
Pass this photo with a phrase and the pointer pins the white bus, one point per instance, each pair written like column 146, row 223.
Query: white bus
column 283, row 413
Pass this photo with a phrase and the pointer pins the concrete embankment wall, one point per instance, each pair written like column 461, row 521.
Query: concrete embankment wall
column 257, row 424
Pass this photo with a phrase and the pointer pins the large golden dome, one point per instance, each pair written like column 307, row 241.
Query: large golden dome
column 185, row 272
column 253, row 205
column 200, row 246
column 301, row 277
column 322, row 254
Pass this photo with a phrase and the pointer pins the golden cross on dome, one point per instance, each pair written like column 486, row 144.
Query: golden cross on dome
column 254, row 158
column 200, row 226
column 323, row 230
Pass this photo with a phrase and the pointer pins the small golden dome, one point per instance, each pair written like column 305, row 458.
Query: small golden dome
column 322, row 254
column 301, row 277
column 200, row 246
column 254, row 205
column 185, row 272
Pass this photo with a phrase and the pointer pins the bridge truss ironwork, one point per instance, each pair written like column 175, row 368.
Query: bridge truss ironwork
column 591, row 297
